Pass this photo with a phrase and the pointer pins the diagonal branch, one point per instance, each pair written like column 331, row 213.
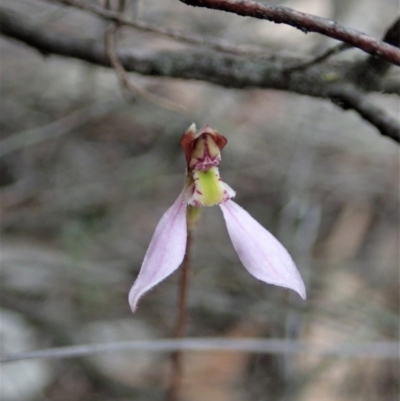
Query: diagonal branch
column 126, row 81
column 341, row 47
column 57, row 128
column 224, row 70
column 348, row 97
column 371, row 69
column 323, row 81
column 392, row 36
column 211, row 43
column 305, row 22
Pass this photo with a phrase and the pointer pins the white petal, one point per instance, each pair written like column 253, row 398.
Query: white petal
column 260, row 252
column 165, row 252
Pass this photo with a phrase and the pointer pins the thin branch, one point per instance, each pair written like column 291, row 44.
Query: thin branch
column 348, row 97
column 305, row 22
column 333, row 51
column 371, row 70
column 208, row 42
column 378, row 350
column 322, row 80
column 392, row 37
column 224, row 70
column 55, row 129
column 124, row 77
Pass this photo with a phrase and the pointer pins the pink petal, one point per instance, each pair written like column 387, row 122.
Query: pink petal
column 260, row 252
column 165, row 252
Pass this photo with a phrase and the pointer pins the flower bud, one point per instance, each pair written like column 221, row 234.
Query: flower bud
column 203, row 148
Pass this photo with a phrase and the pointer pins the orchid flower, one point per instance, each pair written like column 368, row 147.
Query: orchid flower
column 261, row 253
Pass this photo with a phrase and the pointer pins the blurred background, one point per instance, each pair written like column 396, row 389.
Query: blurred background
column 91, row 169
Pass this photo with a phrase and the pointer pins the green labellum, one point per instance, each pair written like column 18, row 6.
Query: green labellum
column 209, row 189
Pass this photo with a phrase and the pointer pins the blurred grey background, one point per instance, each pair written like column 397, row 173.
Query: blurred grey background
column 95, row 169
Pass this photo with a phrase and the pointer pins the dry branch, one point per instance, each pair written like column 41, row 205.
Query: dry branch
column 126, row 81
column 305, row 22
column 350, row 98
column 18, row 141
column 221, row 69
column 379, row 350
column 210, row 43
column 321, row 80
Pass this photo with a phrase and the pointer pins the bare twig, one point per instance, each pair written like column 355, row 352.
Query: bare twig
column 392, row 37
column 305, row 22
column 341, row 47
column 378, row 350
column 349, row 97
column 224, row 70
column 55, row 129
column 322, row 80
column 210, row 43
column 59, row 334
column 124, row 77
column 372, row 69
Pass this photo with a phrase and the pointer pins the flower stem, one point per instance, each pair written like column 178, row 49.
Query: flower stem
column 175, row 384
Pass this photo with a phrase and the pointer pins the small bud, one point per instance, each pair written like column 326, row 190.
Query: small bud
column 205, row 154
column 202, row 149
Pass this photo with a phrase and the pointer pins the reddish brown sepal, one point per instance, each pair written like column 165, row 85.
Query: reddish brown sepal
column 203, row 148
column 187, row 142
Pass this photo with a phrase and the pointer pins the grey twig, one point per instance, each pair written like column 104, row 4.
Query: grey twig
column 372, row 69
column 349, row 97
column 124, row 77
column 55, row 129
column 322, row 80
column 120, row 19
column 341, row 47
column 392, row 37
column 378, row 350
column 305, row 22
column 225, row 70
